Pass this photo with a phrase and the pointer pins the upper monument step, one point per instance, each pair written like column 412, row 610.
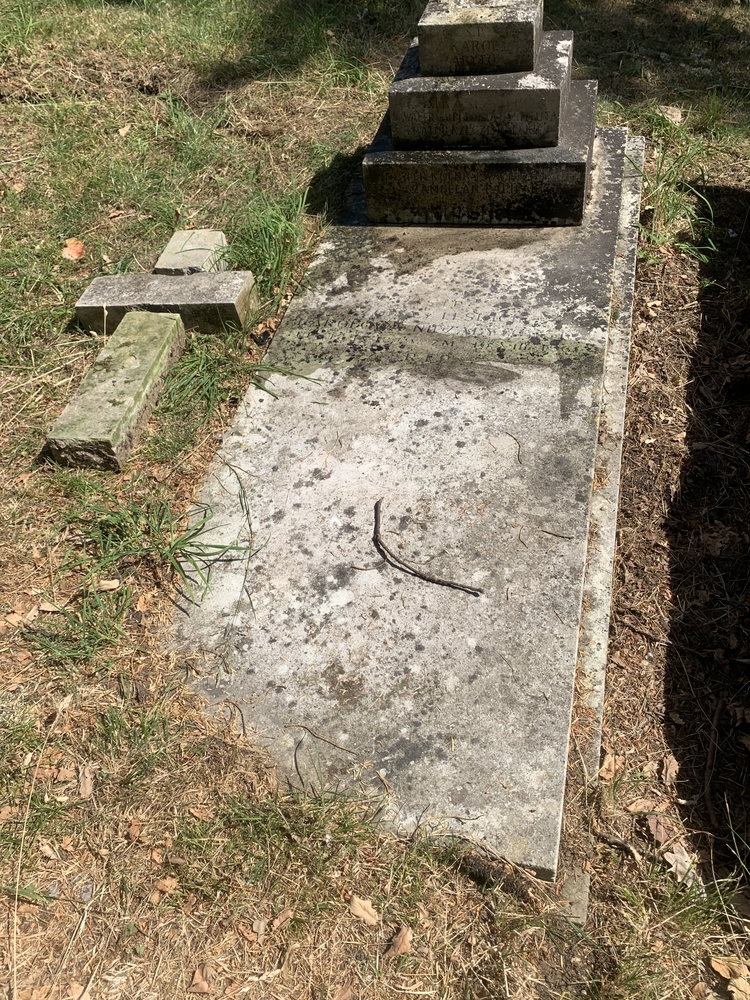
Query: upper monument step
column 461, row 37
column 492, row 111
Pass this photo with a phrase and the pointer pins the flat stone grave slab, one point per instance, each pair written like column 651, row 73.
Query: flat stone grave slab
column 455, row 375
column 191, row 251
column 103, row 421
column 459, row 37
column 505, row 111
column 485, row 187
column 210, row 301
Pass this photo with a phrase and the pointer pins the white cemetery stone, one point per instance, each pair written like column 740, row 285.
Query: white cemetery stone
column 456, row 374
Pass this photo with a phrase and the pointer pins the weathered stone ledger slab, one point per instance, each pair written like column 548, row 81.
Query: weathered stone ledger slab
column 457, row 376
column 191, row 251
column 103, row 421
column 209, row 301
column 507, row 111
column 460, row 37
column 486, row 187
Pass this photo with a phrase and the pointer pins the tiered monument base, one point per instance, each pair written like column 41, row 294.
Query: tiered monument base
column 522, row 187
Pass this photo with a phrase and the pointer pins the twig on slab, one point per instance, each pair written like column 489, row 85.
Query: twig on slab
column 298, row 725
column 405, row 567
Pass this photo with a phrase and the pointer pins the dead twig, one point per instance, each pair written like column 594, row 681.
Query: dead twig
column 324, row 739
column 710, row 760
column 406, row 567
column 623, row 845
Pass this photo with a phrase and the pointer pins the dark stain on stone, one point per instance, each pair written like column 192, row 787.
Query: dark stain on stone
column 331, row 340
column 342, row 575
column 346, row 689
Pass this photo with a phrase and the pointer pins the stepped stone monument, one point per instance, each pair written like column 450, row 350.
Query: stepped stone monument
column 484, row 125
column 419, row 498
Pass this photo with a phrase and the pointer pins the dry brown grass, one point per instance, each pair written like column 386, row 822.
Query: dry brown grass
column 186, row 841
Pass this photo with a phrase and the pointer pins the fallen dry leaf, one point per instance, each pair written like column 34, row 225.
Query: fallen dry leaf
column 282, row 920
column 671, row 113
column 65, row 774
column 78, row 992
column 157, row 856
column 141, row 604
column 199, row 984
column 86, row 782
column 133, row 832
column 611, row 767
column 49, row 608
column 289, row 959
column 739, row 988
column 14, row 619
column 106, row 586
column 363, row 910
column 345, row 993
column 6, row 813
column 729, row 968
column 681, row 864
column 167, row 884
column 700, row 991
column 260, row 927
column 669, row 769
column 124, row 131
column 155, row 897
column 73, row 250
column 202, row 812
column 48, row 851
column 250, row 936
column 641, row 806
column 661, row 828
column 400, row 943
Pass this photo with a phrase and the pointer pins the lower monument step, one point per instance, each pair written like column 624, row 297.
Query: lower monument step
column 522, row 187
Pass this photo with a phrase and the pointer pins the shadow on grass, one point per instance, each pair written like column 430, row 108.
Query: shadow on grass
column 336, row 193
column 283, row 35
column 665, row 50
column 660, row 49
column 707, row 682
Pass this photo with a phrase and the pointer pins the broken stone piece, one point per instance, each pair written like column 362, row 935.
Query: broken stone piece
column 209, row 301
column 191, row 251
column 103, row 421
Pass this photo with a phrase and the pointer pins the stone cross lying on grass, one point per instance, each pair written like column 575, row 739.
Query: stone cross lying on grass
column 146, row 316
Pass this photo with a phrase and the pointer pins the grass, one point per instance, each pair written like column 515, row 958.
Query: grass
column 141, row 839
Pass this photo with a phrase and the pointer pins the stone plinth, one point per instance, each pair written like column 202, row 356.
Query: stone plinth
column 456, row 374
column 486, row 187
column 209, row 301
column 191, row 251
column 509, row 111
column 461, row 37
column 102, row 422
